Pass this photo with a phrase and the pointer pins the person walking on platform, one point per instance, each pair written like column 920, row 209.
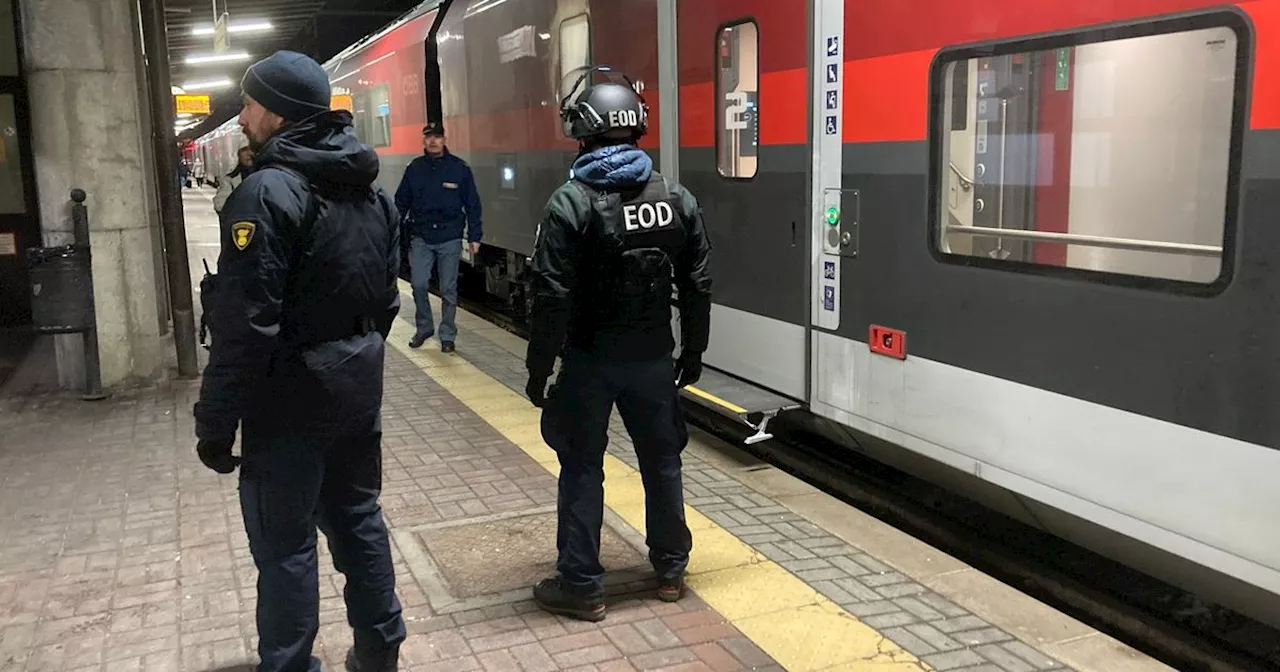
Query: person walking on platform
column 227, row 183
column 439, row 200
column 305, row 300
column 610, row 244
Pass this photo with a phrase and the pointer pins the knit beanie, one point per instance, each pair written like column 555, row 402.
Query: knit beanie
column 289, row 84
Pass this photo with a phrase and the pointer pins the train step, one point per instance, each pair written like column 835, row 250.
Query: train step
column 740, row 400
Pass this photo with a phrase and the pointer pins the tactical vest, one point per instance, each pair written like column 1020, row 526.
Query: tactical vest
column 633, row 241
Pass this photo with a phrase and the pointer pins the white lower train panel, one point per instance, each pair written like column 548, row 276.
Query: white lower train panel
column 1201, row 496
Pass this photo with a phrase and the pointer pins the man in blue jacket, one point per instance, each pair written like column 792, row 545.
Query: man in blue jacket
column 440, row 204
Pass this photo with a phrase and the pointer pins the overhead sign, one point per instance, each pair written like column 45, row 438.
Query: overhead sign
column 190, row 104
column 342, row 101
column 220, row 40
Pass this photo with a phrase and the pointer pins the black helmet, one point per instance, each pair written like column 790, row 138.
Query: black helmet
column 608, row 108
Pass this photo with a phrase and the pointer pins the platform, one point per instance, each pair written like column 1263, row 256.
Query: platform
column 123, row 553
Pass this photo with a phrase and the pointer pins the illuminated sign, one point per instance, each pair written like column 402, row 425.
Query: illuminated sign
column 342, row 102
column 186, row 104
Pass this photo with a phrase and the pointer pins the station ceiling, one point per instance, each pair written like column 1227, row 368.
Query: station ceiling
column 319, row 28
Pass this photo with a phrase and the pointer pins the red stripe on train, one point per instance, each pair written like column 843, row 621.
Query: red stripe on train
column 886, row 99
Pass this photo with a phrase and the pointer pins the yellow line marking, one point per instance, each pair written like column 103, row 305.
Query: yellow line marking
column 797, row 626
column 715, row 400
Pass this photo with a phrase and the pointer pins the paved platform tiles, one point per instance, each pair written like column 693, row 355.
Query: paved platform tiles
column 123, row 553
column 806, row 567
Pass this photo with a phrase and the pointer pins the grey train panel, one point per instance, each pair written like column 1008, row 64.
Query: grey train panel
column 757, row 229
column 1206, row 362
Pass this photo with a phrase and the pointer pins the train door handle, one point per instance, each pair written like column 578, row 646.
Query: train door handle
column 793, row 234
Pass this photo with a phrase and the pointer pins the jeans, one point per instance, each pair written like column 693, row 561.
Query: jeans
column 575, row 424
column 289, row 485
column 445, row 258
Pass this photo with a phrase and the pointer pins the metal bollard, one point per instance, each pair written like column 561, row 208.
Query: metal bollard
column 62, row 300
column 92, row 357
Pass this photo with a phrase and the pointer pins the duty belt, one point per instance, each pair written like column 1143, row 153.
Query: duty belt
column 360, row 326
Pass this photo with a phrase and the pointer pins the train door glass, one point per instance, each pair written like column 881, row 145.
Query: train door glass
column 738, row 113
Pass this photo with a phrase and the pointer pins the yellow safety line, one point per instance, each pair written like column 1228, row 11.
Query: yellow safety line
column 716, row 400
column 797, row 626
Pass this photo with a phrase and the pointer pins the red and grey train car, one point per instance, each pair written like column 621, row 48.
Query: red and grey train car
column 1029, row 243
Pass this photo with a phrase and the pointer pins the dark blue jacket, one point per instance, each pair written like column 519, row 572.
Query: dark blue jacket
column 438, row 198
column 306, row 290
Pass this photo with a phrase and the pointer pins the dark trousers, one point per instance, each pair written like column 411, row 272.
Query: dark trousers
column 575, row 424
column 289, row 485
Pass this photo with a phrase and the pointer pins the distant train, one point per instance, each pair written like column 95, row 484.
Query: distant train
column 1034, row 244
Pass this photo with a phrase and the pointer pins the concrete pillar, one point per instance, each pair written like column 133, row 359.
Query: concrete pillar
column 83, row 81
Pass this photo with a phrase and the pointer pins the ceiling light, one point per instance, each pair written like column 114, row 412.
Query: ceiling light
column 247, row 27
column 218, row 58
column 208, row 84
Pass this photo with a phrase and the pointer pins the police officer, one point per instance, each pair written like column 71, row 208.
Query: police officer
column 439, row 199
column 305, row 300
column 611, row 242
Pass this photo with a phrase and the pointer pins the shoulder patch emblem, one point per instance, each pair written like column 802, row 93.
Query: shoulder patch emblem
column 242, row 234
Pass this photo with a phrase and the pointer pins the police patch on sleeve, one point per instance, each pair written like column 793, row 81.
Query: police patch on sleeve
column 242, row 234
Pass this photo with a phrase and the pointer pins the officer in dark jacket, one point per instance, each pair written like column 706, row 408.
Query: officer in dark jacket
column 305, row 300
column 439, row 200
column 608, row 248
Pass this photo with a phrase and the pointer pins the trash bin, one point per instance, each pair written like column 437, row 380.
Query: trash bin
column 61, row 289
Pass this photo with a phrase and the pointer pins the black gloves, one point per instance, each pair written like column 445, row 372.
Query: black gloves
column 217, row 456
column 688, row 368
column 537, row 390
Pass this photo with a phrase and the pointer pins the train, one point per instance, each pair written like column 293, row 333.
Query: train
column 1024, row 243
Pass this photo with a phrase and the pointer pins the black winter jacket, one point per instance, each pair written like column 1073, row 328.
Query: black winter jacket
column 571, row 306
column 306, row 289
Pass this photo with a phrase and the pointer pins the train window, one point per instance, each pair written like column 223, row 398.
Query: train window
column 380, row 116
column 575, row 51
column 1114, row 159
column 737, row 100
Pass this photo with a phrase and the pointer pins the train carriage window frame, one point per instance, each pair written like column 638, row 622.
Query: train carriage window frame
column 568, row 76
column 721, row 108
column 381, row 127
column 940, row 129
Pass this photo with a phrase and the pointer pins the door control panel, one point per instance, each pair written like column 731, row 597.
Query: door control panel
column 840, row 215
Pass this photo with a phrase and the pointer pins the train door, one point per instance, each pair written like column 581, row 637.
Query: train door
column 743, row 153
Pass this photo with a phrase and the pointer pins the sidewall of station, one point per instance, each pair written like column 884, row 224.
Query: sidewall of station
column 87, row 132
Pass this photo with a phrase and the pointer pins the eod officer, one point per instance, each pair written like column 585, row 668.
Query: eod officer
column 611, row 243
